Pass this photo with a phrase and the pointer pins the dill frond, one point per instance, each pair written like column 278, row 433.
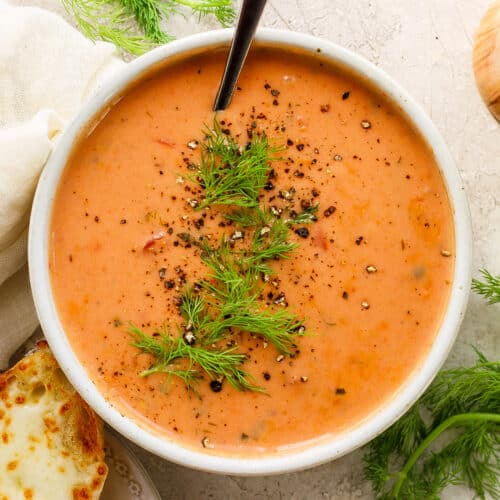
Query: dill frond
column 168, row 352
column 281, row 328
column 254, row 217
column 148, row 16
column 489, row 288
column 232, row 289
column 193, row 309
column 134, row 26
column 269, row 240
column 231, row 174
column 109, row 22
column 224, row 363
column 221, row 9
column 463, row 390
column 151, row 346
column 471, row 458
column 225, row 281
column 399, row 463
column 228, row 300
column 270, row 245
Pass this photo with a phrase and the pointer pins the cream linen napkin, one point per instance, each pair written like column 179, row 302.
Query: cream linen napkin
column 47, row 70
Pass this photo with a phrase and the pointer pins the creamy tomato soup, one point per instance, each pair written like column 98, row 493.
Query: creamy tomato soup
column 371, row 277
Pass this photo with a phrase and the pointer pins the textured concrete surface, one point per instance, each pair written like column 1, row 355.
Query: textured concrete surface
column 426, row 46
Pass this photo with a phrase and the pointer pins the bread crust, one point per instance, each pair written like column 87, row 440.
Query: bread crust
column 44, row 421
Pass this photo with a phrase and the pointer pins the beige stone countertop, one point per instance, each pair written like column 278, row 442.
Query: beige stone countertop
column 426, row 46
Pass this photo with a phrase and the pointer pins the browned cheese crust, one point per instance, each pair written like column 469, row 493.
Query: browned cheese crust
column 51, row 441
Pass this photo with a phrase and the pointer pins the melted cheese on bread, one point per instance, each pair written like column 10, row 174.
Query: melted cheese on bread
column 51, row 444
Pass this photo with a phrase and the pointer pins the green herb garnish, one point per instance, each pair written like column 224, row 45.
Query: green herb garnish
column 233, row 291
column 169, row 352
column 270, row 237
column 232, row 174
column 269, row 242
column 103, row 20
column 135, row 25
column 450, row 436
column 228, row 301
column 148, row 15
column 490, row 288
column 254, row 217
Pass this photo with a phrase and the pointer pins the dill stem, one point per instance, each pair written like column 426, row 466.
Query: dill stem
column 454, row 421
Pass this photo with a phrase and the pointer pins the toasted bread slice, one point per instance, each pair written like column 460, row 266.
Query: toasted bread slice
column 51, row 442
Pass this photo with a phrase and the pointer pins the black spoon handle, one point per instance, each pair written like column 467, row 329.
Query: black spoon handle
column 251, row 11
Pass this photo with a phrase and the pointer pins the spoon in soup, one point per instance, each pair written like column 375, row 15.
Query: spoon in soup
column 251, row 11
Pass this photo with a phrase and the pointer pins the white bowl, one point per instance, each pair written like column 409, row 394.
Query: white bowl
column 293, row 459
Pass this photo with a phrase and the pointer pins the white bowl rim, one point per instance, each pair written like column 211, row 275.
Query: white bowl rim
column 293, row 459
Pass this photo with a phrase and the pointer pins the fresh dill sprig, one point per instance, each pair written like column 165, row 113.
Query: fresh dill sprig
column 232, row 286
column 281, row 328
column 226, row 281
column 148, row 15
column 250, row 217
column 109, row 22
column 135, row 25
column 489, row 288
column 403, row 462
column 193, row 309
column 221, row 9
column 269, row 242
column 270, row 238
column 176, row 358
column 231, row 174
column 228, row 301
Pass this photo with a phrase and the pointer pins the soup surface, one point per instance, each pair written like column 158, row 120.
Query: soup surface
column 371, row 277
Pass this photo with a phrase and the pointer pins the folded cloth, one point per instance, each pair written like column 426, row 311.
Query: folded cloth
column 47, row 70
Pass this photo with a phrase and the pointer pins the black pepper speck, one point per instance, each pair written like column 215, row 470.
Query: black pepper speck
column 329, row 211
column 303, row 232
column 216, row 385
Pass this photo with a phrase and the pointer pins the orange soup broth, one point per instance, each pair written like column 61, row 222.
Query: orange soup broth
column 347, row 148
